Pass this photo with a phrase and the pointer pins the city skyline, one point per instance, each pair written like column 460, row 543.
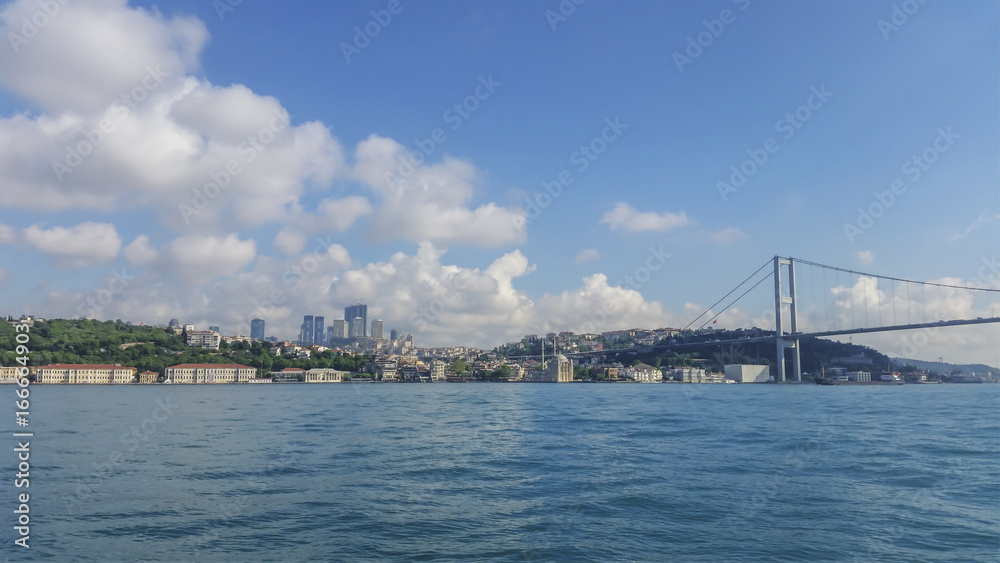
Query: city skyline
column 481, row 172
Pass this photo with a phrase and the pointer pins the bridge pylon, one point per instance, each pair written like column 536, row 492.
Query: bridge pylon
column 781, row 342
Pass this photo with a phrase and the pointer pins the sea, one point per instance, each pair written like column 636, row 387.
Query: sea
column 507, row 472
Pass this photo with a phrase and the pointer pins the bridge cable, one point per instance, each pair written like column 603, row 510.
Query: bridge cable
column 726, row 295
column 737, row 299
column 897, row 279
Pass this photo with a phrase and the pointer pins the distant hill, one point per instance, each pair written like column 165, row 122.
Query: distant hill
column 945, row 368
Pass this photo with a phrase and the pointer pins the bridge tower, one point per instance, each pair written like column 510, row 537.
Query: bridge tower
column 781, row 342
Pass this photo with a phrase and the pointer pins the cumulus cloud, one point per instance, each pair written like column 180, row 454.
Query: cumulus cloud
column 83, row 245
column 430, row 202
column 140, row 251
column 290, row 241
column 865, row 257
column 626, row 217
column 587, row 255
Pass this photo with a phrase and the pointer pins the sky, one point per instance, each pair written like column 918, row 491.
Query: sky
column 476, row 171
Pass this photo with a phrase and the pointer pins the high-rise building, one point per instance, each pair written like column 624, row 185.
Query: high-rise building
column 306, row 333
column 257, row 329
column 377, row 328
column 358, row 327
column 174, row 323
column 340, row 329
column 319, row 330
column 215, row 329
column 352, row 311
column 394, row 334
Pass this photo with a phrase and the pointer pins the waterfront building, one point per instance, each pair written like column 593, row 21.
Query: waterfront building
column 860, row 376
column 84, row 373
column 209, row 373
column 438, row 370
column 324, row 376
column 386, row 370
column 257, row 329
column 743, row 373
column 353, row 311
column 557, row 370
column 10, row 374
column 643, row 373
column 377, row 329
column 288, row 375
column 208, row 339
column 149, row 377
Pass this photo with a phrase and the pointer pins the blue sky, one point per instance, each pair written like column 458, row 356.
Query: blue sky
column 555, row 82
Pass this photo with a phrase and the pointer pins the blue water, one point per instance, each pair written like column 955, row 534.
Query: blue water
column 510, row 472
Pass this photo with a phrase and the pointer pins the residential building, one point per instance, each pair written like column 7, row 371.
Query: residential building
column 688, row 375
column 353, row 311
column 209, row 373
column 257, row 329
column 377, row 328
column 84, row 373
column 643, row 373
column 438, row 370
column 207, row 339
column 386, row 370
column 324, row 376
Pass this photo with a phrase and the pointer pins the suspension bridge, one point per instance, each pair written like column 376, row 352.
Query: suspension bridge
column 832, row 301
column 853, row 302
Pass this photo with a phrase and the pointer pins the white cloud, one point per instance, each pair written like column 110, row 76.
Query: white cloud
column 984, row 218
column 197, row 259
column 587, row 255
column 626, row 217
column 7, row 234
column 430, row 202
column 725, row 236
column 80, row 246
column 290, row 241
column 91, row 53
column 139, row 251
column 865, row 257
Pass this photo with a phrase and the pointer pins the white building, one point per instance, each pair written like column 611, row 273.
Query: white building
column 324, row 376
column 643, row 373
column 437, row 370
column 859, row 375
column 745, row 373
column 208, row 339
column 84, row 373
column 209, row 373
column 688, row 375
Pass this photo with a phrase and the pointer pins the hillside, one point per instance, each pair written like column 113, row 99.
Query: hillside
column 944, row 368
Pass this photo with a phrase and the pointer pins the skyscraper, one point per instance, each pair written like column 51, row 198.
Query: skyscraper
column 257, row 329
column 358, row 327
column 319, row 331
column 377, row 328
column 340, row 329
column 352, row 311
column 306, row 334
column 394, row 334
